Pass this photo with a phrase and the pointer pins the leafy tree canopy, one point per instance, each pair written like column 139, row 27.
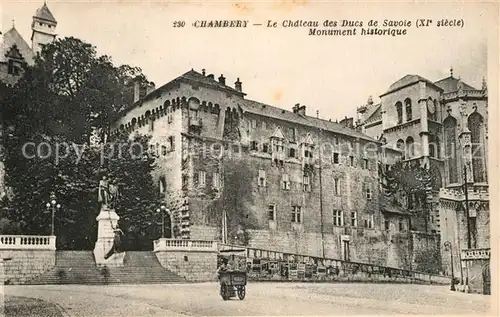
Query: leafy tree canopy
column 48, row 119
column 71, row 91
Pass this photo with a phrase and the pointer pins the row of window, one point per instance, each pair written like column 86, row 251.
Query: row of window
column 292, row 153
column 408, row 110
column 337, row 216
column 306, row 184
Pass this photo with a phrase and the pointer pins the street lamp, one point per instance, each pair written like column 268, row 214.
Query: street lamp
column 53, row 203
column 162, row 210
column 447, row 246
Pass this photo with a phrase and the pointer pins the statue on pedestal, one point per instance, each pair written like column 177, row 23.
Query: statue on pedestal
column 103, row 191
column 108, row 193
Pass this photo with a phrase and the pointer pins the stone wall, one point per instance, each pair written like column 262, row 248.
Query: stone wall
column 192, row 265
column 26, row 264
column 478, row 272
column 426, row 252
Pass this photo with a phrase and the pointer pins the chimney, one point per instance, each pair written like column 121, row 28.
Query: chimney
column 203, row 71
column 222, row 80
column 211, row 76
column 296, row 108
column 302, row 111
column 347, row 122
column 137, row 90
column 150, row 88
column 237, row 85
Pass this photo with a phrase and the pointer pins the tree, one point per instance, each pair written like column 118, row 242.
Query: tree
column 130, row 165
column 71, row 91
column 408, row 184
column 73, row 172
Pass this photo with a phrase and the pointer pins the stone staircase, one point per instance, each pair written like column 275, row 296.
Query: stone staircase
column 142, row 267
column 78, row 267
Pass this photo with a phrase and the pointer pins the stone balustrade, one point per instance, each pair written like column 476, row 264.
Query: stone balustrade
column 24, row 242
column 165, row 244
column 476, row 191
column 476, row 254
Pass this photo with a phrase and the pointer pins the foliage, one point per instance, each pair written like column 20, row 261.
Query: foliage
column 406, row 178
column 74, row 177
column 130, row 165
column 235, row 199
column 410, row 182
column 71, row 91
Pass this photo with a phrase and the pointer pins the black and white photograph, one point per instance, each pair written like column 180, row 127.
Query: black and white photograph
column 189, row 158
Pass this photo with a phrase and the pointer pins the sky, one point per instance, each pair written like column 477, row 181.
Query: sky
column 278, row 66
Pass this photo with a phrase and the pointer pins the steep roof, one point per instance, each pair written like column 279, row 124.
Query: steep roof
column 375, row 113
column 278, row 134
column 450, row 84
column 387, row 206
column 285, row 115
column 407, row 81
column 11, row 38
column 44, row 13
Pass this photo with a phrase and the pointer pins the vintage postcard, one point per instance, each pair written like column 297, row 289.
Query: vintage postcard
column 169, row 158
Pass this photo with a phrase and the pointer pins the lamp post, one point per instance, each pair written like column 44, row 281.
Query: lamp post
column 162, row 210
column 447, row 246
column 53, row 203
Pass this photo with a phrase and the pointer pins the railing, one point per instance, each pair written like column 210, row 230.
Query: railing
column 165, row 244
column 476, row 254
column 272, row 263
column 22, row 242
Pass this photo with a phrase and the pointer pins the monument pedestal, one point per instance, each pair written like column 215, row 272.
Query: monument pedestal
column 107, row 220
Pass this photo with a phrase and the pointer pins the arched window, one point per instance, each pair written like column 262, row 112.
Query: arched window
column 399, row 109
column 431, row 109
column 433, row 145
column 410, row 148
column 408, row 109
column 400, row 145
column 476, row 127
column 437, row 112
column 450, row 150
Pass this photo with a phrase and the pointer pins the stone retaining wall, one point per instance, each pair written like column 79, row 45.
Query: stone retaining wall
column 191, row 265
column 26, row 264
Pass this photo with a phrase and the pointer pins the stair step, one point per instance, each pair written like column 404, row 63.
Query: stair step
column 78, row 267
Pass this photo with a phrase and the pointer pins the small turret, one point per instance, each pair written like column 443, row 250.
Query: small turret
column 43, row 28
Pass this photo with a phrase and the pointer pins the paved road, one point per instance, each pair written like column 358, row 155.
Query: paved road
column 262, row 299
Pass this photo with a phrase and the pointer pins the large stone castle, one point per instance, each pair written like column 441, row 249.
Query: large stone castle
column 243, row 172
column 313, row 185
column 443, row 125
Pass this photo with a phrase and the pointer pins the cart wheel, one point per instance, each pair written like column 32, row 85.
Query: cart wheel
column 224, row 291
column 241, row 292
